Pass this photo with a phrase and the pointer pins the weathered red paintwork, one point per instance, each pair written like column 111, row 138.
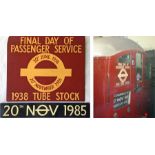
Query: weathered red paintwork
column 105, row 79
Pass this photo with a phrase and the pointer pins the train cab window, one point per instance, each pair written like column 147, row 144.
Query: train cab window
column 139, row 62
column 147, row 71
column 124, row 59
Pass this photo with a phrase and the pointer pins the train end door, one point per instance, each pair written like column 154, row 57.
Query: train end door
column 120, row 86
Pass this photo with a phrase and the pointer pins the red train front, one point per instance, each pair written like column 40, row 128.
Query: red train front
column 122, row 78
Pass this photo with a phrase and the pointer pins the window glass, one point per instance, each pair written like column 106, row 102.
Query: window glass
column 139, row 66
column 124, row 59
column 147, row 71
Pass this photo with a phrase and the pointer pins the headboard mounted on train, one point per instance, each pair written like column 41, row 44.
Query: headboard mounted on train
column 108, row 46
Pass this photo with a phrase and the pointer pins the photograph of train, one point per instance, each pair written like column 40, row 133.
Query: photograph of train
column 124, row 76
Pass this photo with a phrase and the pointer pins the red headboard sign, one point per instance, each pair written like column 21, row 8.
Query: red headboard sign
column 46, row 68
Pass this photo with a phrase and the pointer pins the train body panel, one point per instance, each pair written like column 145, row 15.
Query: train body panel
column 122, row 85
